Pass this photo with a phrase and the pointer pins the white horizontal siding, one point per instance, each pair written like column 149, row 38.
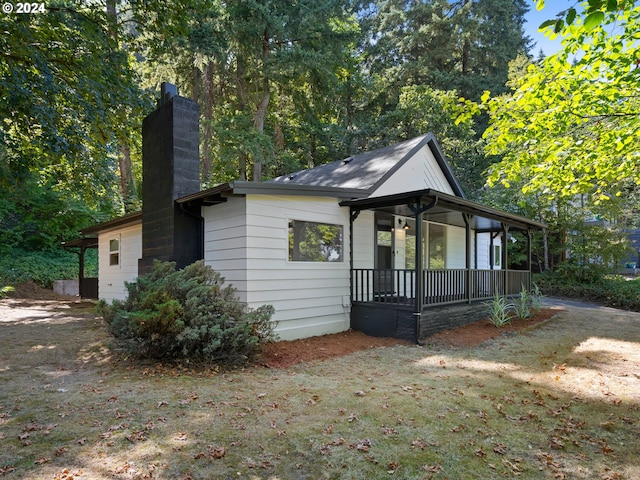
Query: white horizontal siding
column 455, row 249
column 307, row 296
column 483, row 249
column 225, row 246
column 419, row 172
column 364, row 240
column 111, row 278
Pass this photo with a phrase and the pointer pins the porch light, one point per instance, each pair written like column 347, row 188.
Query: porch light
column 406, row 225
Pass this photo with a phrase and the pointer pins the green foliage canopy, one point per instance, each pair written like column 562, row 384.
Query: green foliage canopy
column 572, row 125
column 67, row 90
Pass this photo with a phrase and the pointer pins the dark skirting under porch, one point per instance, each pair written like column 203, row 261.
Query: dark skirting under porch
column 379, row 320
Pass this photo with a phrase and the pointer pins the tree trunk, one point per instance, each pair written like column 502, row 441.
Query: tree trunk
column 127, row 183
column 207, row 114
column 263, row 105
column 242, row 102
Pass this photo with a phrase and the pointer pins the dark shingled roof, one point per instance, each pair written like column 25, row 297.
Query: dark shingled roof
column 366, row 171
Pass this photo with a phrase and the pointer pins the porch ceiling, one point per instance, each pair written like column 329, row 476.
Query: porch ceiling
column 447, row 209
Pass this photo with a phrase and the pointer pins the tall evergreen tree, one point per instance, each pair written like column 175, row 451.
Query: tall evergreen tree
column 463, row 45
column 267, row 78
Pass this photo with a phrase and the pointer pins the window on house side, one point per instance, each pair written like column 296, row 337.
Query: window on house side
column 315, row 242
column 114, row 251
column 497, row 255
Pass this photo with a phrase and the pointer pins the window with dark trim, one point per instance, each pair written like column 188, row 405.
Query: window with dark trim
column 315, row 242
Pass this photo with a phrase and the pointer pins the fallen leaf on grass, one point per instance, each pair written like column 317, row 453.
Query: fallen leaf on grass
column 422, row 444
column 500, row 449
column 433, row 468
column 217, row 451
column 61, row 451
column 556, row 443
column 5, row 470
column 42, row 461
column 361, row 445
column 562, row 367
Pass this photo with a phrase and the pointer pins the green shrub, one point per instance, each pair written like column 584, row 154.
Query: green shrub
column 610, row 290
column 188, row 313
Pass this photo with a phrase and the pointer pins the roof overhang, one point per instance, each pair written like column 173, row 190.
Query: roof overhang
column 125, row 220
column 82, row 243
column 221, row 193
column 446, row 209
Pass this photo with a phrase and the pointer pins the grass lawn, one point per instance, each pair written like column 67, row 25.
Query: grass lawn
column 560, row 401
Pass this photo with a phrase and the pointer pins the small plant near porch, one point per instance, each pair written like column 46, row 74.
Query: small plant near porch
column 499, row 310
column 522, row 304
column 189, row 314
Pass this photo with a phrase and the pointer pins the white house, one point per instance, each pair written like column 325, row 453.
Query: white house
column 372, row 242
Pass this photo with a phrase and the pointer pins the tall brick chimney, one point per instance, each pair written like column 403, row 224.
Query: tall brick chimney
column 170, row 170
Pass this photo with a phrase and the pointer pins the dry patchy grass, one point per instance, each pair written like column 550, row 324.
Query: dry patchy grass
column 560, row 401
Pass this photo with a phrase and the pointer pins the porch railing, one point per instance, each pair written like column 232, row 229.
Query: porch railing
column 441, row 286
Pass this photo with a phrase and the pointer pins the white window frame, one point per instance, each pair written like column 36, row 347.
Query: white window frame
column 115, row 254
column 497, row 255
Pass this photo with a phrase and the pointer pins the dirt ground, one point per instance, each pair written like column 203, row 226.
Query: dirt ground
column 283, row 354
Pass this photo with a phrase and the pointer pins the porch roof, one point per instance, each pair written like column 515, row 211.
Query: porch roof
column 444, row 208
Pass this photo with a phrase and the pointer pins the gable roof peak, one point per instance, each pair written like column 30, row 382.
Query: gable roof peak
column 368, row 170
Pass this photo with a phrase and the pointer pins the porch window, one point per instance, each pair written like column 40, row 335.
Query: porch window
column 315, row 242
column 114, row 251
column 436, row 254
column 433, row 246
column 497, row 255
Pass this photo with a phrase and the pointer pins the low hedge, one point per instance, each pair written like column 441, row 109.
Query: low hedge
column 610, row 290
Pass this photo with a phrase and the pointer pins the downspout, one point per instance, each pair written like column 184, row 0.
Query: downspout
column 418, row 210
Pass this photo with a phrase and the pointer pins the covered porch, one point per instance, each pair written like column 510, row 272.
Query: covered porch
column 434, row 255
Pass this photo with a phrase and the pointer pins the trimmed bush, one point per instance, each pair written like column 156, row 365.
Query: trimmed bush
column 187, row 314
